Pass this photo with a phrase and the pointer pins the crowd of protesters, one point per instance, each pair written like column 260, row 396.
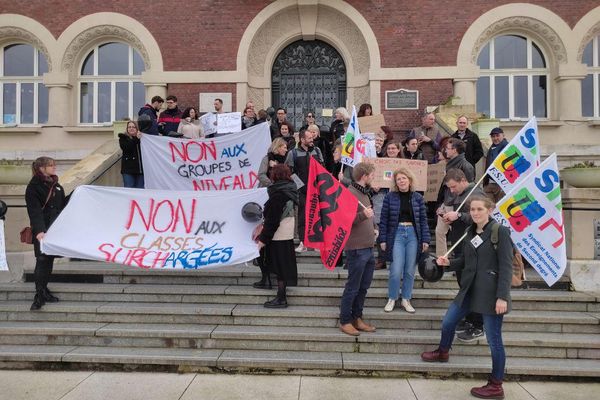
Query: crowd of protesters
column 391, row 227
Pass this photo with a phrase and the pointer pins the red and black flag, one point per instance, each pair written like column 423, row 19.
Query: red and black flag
column 330, row 211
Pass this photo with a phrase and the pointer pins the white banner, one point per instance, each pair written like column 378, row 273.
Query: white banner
column 519, row 158
column 229, row 122
column 533, row 212
column 3, row 263
column 223, row 163
column 157, row 229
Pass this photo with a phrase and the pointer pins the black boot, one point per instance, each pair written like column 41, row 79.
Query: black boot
column 264, row 283
column 280, row 301
column 49, row 297
column 38, row 301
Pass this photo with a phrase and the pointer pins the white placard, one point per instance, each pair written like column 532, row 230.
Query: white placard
column 3, row 263
column 156, row 229
column 229, row 122
column 209, row 123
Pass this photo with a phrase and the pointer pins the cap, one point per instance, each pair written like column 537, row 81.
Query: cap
column 496, row 131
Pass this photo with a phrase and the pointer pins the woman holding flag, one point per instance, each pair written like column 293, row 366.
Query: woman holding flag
column 484, row 288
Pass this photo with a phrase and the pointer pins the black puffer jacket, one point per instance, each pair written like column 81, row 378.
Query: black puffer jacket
column 131, row 162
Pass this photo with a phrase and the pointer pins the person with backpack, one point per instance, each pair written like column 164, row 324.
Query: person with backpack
column 298, row 160
column 484, row 288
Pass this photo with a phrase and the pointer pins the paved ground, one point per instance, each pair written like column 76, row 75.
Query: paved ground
column 46, row 385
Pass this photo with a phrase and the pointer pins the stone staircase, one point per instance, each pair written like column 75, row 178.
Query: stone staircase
column 116, row 317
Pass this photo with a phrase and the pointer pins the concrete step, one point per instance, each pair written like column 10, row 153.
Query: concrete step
column 388, row 341
column 330, row 362
column 301, row 295
column 310, row 273
column 295, row 315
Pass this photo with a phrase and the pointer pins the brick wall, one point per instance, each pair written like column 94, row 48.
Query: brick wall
column 427, row 33
column 431, row 93
column 206, row 35
column 188, row 94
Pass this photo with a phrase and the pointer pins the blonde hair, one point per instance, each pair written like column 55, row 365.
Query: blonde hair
column 409, row 174
column 314, row 128
column 344, row 112
column 277, row 143
column 487, row 202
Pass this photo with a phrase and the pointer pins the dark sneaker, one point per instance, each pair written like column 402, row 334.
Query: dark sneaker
column 470, row 335
column 463, row 326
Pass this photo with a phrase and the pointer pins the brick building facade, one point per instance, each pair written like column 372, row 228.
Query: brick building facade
column 229, row 47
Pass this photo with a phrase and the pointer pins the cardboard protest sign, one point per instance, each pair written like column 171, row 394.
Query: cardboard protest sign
column 385, row 167
column 223, row 163
column 372, row 123
column 157, row 229
column 435, row 177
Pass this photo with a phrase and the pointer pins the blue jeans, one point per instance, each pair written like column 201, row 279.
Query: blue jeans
column 492, row 324
column 133, row 181
column 361, row 265
column 404, row 263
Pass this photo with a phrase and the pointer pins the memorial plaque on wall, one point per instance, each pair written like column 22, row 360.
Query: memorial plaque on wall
column 402, row 99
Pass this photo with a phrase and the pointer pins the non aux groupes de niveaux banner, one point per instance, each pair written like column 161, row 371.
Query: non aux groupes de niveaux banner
column 520, row 157
column 226, row 163
column 157, row 228
column 330, row 211
column 533, row 212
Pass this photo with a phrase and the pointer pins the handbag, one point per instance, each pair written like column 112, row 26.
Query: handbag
column 26, row 234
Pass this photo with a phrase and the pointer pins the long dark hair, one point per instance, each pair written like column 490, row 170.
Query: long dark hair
column 186, row 112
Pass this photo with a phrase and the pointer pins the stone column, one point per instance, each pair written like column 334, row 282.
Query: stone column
column 568, row 93
column 155, row 89
column 464, row 90
column 60, row 99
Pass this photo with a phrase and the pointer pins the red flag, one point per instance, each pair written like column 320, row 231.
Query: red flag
column 330, row 211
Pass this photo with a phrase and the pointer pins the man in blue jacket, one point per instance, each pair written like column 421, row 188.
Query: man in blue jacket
column 151, row 110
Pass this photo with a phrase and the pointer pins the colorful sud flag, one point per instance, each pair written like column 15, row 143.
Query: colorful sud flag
column 519, row 158
column 353, row 145
column 330, row 211
column 533, row 212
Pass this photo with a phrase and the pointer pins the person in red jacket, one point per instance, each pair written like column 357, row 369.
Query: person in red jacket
column 168, row 120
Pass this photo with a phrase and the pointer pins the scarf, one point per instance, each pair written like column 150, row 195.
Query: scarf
column 363, row 189
column 288, row 188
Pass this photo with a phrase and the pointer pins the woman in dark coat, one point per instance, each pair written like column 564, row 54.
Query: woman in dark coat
column 411, row 149
column 45, row 199
column 131, row 162
column 404, row 233
column 277, row 235
column 484, row 288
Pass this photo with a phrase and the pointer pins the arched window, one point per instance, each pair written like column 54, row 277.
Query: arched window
column 513, row 84
column 110, row 86
column 24, row 98
column 590, row 86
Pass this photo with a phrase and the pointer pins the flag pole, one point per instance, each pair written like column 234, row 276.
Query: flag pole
column 472, row 190
column 455, row 244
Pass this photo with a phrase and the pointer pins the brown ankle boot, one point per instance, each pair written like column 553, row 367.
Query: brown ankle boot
column 493, row 390
column 437, row 355
column 349, row 329
column 363, row 326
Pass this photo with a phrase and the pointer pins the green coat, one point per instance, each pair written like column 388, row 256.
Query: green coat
column 486, row 272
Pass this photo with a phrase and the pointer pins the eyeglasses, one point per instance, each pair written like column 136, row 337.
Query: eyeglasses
column 310, row 116
column 170, row 102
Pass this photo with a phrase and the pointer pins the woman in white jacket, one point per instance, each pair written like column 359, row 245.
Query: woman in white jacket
column 190, row 124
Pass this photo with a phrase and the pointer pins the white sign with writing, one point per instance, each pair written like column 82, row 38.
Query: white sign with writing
column 229, row 122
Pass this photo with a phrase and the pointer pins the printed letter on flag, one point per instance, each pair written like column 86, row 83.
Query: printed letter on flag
column 353, row 146
column 330, row 211
column 225, row 163
column 533, row 212
column 157, row 229
column 519, row 158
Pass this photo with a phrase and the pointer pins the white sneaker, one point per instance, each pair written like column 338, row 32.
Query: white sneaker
column 389, row 307
column 301, row 248
column 407, row 306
